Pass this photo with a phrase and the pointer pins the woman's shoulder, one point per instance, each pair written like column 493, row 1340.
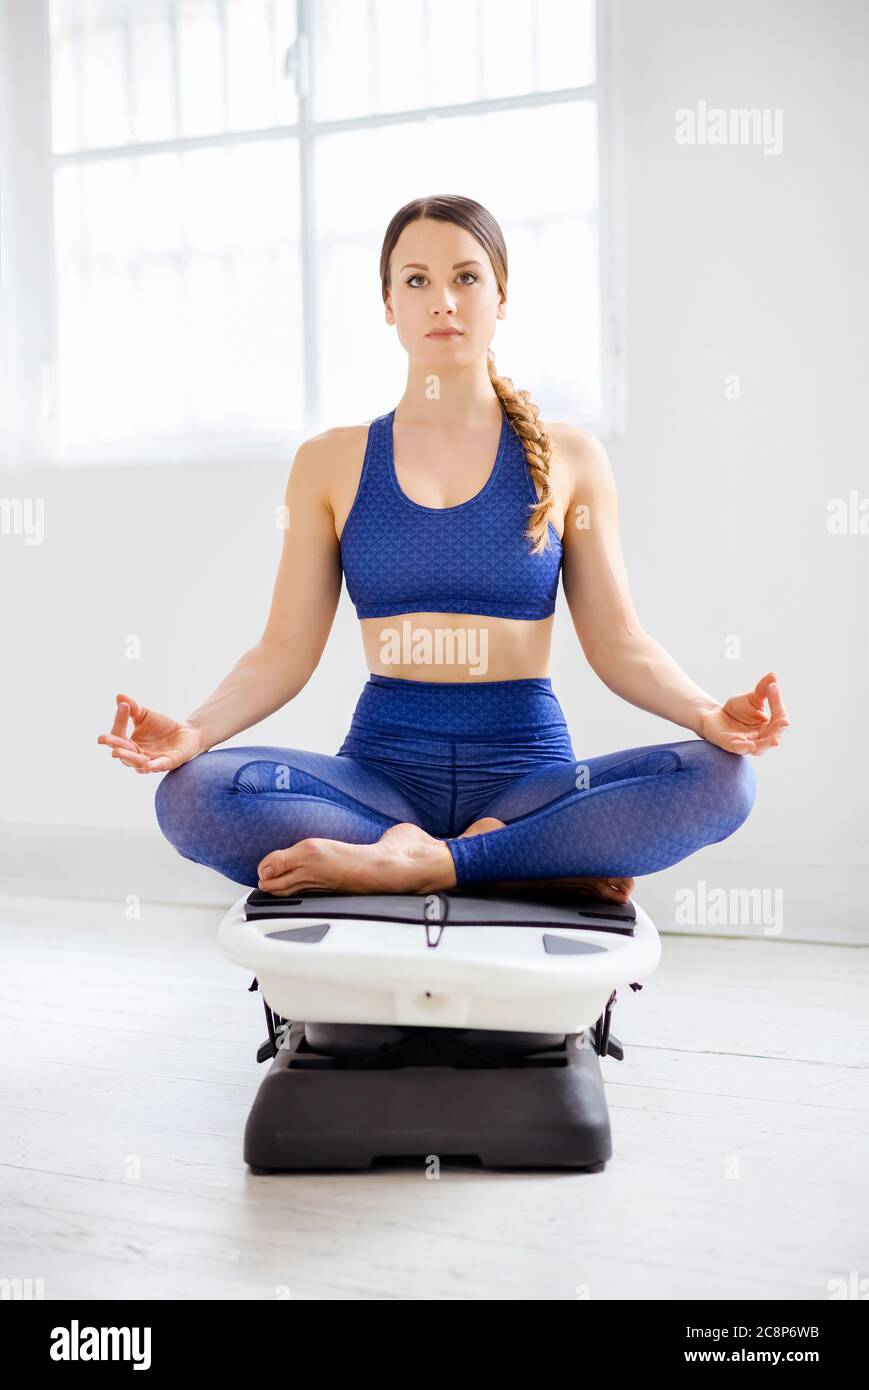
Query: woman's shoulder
column 330, row 465
column 578, row 461
column 572, row 442
column 333, row 453
column 334, row 442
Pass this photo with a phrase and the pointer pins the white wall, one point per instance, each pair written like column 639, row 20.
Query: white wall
column 735, row 263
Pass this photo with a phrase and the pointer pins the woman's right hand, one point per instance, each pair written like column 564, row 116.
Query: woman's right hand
column 158, row 743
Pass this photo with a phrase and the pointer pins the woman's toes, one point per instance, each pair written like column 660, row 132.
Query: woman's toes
column 272, row 865
column 619, row 889
column 305, row 855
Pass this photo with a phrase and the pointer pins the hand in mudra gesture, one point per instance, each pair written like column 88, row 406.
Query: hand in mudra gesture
column 158, row 742
column 742, row 724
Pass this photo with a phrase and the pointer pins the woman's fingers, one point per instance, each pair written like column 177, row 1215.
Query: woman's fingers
column 776, row 703
column 123, row 712
column 120, row 721
column 770, row 742
column 132, row 759
column 130, row 703
column 118, row 736
column 759, row 694
column 763, row 745
column 126, row 749
column 767, row 736
column 114, row 741
column 738, row 743
column 768, row 689
column 767, row 733
column 131, row 755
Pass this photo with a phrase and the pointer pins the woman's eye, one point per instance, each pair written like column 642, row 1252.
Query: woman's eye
column 418, row 276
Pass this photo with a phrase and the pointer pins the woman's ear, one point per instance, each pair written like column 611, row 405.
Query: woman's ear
column 387, row 304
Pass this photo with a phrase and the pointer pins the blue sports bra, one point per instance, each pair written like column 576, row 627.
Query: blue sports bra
column 401, row 557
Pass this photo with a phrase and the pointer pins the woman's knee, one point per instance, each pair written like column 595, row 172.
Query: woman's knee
column 181, row 795
column 728, row 778
column 205, row 801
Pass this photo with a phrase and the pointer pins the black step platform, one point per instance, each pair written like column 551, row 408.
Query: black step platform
column 343, row 1096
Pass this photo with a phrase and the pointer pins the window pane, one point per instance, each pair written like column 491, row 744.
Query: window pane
column 179, row 305
column 127, row 71
column 395, row 55
column 549, row 342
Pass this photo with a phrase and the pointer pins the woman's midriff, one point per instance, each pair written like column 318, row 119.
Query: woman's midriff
column 457, row 647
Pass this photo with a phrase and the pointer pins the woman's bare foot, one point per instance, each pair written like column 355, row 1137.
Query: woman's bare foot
column 616, row 890
column 406, row 859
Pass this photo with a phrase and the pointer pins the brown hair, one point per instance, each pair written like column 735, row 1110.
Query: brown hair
column 518, row 406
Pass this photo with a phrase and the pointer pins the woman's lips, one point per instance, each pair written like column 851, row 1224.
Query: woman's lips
column 445, row 333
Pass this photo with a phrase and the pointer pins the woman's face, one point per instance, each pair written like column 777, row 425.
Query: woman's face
column 442, row 279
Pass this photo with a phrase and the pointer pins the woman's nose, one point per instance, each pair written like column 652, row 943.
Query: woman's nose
column 443, row 302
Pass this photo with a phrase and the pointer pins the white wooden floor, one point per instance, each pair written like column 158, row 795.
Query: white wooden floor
column 740, row 1122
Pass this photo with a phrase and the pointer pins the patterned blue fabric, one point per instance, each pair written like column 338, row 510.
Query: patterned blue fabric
column 401, row 557
column 444, row 754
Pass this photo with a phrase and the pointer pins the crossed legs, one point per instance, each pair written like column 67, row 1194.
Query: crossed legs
column 323, row 821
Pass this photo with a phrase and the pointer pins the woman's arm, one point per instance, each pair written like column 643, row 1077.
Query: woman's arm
column 630, row 662
column 304, row 601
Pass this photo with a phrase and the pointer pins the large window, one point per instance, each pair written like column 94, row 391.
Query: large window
column 222, row 172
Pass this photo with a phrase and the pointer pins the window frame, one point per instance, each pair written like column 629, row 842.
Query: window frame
column 28, row 344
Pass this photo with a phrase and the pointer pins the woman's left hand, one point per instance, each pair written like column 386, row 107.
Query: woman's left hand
column 742, row 725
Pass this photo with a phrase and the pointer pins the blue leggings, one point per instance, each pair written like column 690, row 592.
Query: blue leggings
column 444, row 754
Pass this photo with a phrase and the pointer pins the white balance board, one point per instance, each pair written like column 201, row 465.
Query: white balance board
column 454, row 959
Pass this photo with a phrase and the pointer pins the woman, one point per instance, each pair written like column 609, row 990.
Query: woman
column 458, row 767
